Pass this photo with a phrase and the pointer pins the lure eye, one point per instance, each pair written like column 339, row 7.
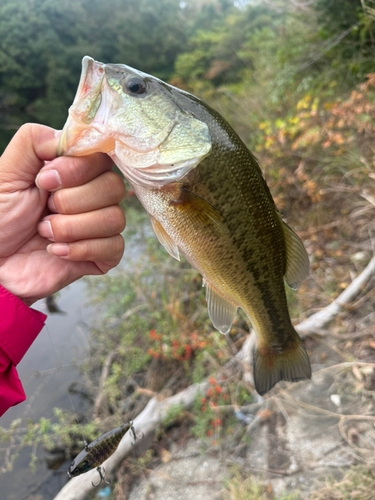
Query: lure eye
column 135, row 86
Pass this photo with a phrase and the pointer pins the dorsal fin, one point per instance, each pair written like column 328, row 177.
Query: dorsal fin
column 221, row 311
column 297, row 260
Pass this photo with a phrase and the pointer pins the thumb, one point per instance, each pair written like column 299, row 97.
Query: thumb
column 26, row 153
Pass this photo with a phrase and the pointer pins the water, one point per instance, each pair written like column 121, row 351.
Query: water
column 62, row 341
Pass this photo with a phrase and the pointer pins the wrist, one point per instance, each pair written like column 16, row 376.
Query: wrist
column 28, row 302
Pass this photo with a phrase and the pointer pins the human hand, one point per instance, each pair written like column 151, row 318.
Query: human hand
column 47, row 242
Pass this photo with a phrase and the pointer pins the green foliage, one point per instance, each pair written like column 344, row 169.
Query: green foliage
column 42, row 43
column 208, row 424
column 338, row 14
column 222, row 55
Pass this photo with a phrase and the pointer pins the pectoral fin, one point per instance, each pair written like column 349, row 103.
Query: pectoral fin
column 297, row 260
column 199, row 212
column 165, row 239
column 221, row 311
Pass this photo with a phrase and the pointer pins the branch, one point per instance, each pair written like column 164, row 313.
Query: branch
column 147, row 421
column 318, row 320
column 103, row 377
column 334, row 41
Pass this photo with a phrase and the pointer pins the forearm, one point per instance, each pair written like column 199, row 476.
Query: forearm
column 19, row 327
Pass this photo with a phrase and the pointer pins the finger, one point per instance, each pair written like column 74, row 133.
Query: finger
column 26, row 153
column 68, row 171
column 107, row 250
column 103, row 191
column 98, row 224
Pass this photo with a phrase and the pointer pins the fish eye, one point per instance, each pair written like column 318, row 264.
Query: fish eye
column 135, row 85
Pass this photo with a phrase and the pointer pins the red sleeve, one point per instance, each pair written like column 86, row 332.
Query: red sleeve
column 19, row 327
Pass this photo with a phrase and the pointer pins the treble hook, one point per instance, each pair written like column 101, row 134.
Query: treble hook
column 102, row 476
column 135, row 435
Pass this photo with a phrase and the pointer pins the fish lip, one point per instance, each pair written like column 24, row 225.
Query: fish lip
column 95, row 71
column 90, row 68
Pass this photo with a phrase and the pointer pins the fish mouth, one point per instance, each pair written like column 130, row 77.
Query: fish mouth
column 92, row 71
column 85, row 131
column 82, row 112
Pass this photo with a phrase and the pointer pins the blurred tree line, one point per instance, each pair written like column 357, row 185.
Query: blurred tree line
column 42, row 43
column 215, row 48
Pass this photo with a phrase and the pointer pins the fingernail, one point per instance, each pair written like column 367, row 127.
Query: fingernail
column 48, row 180
column 51, row 204
column 45, row 229
column 59, row 249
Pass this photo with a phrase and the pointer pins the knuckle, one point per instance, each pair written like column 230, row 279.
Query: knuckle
column 83, row 250
column 27, row 129
column 117, row 218
column 104, row 161
column 28, row 132
column 70, row 170
column 62, row 229
column 115, row 185
column 119, row 247
column 60, row 202
column 76, row 171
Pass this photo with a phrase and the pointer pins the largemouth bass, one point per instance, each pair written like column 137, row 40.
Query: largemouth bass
column 207, row 200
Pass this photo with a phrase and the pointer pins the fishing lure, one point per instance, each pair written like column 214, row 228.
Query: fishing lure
column 95, row 453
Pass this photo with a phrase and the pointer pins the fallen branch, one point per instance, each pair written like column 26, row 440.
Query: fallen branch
column 318, row 320
column 146, row 422
column 99, row 401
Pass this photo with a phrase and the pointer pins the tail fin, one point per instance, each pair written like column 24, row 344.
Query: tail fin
column 269, row 367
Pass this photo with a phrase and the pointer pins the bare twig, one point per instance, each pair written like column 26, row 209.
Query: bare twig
column 99, row 401
column 318, row 320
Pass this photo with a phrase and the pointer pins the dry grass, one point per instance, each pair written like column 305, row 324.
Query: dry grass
column 252, row 488
column 358, row 483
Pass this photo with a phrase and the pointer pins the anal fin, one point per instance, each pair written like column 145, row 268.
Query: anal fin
column 269, row 367
column 221, row 311
column 165, row 239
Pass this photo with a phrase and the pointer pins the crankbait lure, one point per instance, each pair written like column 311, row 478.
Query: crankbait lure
column 95, row 453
